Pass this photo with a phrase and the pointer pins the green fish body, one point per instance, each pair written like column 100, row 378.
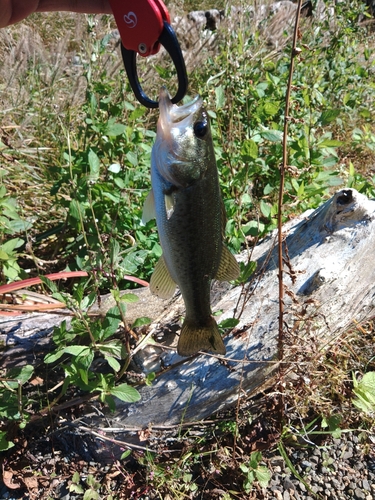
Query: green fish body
column 186, row 201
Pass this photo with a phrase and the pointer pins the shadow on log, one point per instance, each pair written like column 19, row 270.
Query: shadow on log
column 329, row 282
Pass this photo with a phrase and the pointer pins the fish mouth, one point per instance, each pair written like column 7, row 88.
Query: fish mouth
column 171, row 114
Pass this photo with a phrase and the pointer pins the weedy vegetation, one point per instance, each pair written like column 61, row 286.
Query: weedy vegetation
column 75, row 160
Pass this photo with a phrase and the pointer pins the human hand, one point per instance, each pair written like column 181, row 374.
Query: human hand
column 12, row 11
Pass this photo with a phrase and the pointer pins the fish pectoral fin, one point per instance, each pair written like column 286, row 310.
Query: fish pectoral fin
column 228, row 268
column 161, row 283
column 149, row 212
column 195, row 338
column 169, row 205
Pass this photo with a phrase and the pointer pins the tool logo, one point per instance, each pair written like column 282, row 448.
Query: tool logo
column 130, row 20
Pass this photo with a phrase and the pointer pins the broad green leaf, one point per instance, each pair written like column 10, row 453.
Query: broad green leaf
column 220, row 97
column 328, row 116
column 329, row 143
column 263, row 475
column 77, row 350
column 3, row 255
column 4, row 443
column 75, row 209
column 129, row 298
column 11, row 245
column 365, row 392
column 115, row 168
column 253, row 228
column 94, row 164
column 126, row 393
column 22, row 375
column 53, row 356
column 271, row 108
column 229, row 323
column 265, row 208
column 272, row 135
column 249, row 150
column 114, row 348
column 113, row 363
column 132, row 158
column 144, row 320
column 115, row 129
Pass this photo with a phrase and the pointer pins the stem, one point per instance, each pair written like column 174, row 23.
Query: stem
column 282, row 182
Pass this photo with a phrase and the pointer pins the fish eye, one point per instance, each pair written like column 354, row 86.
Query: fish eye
column 200, row 128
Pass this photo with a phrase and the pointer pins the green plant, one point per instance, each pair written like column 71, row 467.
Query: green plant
column 364, row 391
column 11, row 224
column 13, row 401
column 90, row 490
column 253, row 471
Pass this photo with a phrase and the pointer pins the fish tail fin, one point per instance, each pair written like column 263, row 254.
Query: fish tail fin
column 194, row 338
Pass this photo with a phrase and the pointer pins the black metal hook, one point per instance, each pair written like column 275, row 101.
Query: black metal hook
column 169, row 40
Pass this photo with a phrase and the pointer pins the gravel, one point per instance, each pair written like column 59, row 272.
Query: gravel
column 339, row 470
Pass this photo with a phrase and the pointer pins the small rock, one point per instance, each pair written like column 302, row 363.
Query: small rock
column 288, row 485
column 365, row 485
column 278, row 495
column 286, row 495
column 359, row 495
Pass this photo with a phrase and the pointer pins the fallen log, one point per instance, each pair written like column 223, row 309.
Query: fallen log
column 329, row 282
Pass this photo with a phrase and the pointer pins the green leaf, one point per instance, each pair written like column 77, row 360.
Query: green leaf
column 144, row 320
column 53, row 356
column 77, row 350
column 113, row 363
column 229, row 323
column 11, row 245
column 3, row 255
column 132, row 158
column 126, row 393
column 265, row 208
column 125, row 454
column 329, row 143
column 328, row 116
column 220, row 97
column 272, row 135
column 365, row 392
column 115, row 129
column 129, row 298
column 249, row 150
column 94, row 164
column 91, row 495
column 75, row 209
column 263, row 475
column 4, row 443
column 22, row 375
column 115, row 168
column 271, row 108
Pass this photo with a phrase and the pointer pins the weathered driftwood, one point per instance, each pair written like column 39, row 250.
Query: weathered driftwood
column 330, row 276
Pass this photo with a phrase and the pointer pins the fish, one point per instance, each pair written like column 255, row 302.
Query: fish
column 186, row 201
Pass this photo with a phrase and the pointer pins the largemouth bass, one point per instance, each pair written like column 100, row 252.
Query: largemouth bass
column 190, row 216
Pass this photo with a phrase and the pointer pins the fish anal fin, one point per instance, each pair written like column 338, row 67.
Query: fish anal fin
column 228, row 268
column 149, row 208
column 161, row 283
column 195, row 338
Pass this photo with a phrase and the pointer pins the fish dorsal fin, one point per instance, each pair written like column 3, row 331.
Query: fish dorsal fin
column 228, row 268
column 149, row 212
column 161, row 283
